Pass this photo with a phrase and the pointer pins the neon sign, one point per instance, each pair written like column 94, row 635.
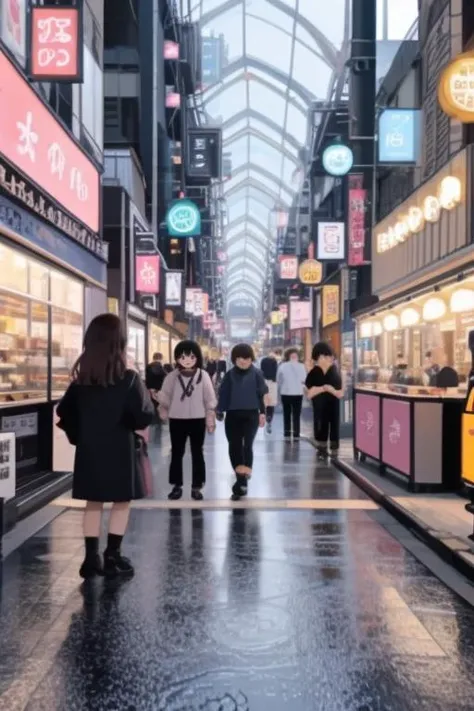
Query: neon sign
column 448, row 197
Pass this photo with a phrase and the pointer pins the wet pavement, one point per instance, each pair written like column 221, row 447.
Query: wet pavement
column 244, row 610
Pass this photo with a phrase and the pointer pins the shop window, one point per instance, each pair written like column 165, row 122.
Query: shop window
column 23, row 348
column 38, row 281
column 66, row 292
column 52, row 302
column 136, row 347
column 13, row 270
column 66, row 346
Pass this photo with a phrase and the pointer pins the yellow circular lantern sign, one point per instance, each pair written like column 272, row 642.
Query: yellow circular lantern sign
column 311, row 272
column 456, row 88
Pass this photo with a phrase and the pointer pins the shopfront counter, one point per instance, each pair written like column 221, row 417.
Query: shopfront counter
column 411, row 431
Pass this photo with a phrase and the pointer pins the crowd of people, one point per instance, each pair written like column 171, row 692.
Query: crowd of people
column 107, row 410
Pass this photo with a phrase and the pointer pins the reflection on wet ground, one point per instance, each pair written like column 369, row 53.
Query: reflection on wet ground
column 234, row 611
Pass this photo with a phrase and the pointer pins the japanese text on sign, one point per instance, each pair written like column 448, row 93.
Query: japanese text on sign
column 55, row 42
column 33, row 140
column 357, row 209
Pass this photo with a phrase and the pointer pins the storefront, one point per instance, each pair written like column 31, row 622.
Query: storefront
column 53, row 270
column 137, row 338
column 413, row 357
column 159, row 341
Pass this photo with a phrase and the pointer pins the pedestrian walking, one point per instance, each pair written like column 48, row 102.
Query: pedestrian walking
column 291, row 380
column 324, row 389
column 188, row 401
column 241, row 399
column 103, row 407
column 269, row 368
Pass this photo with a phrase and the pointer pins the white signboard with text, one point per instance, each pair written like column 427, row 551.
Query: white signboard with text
column 7, row 465
column 331, row 241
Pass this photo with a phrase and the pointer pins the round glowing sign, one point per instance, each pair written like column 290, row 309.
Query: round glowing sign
column 183, row 219
column 337, row 159
column 311, row 272
column 456, row 88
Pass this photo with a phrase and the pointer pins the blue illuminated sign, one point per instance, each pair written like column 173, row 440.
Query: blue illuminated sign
column 183, row 219
column 338, row 159
column 211, row 60
column 399, row 135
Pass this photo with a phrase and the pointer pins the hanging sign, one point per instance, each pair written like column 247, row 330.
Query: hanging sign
column 331, row 241
column 183, row 219
column 56, row 43
column 288, row 266
column 173, row 288
column 456, row 88
column 147, row 274
column 311, row 272
column 337, row 159
column 356, row 221
column 330, row 305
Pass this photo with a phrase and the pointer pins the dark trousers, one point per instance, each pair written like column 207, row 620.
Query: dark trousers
column 180, row 430
column 269, row 412
column 240, row 429
column 292, row 405
column 326, row 419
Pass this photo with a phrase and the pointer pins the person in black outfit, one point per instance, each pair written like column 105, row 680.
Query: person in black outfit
column 155, row 373
column 269, row 368
column 324, row 389
column 241, row 396
column 100, row 412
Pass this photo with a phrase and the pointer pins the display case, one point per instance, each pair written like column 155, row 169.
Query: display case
column 41, row 328
column 411, row 378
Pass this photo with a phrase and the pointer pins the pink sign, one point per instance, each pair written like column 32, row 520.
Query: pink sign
column 288, row 267
column 55, row 43
column 367, row 424
column 35, row 143
column 356, row 221
column 396, row 435
column 147, row 274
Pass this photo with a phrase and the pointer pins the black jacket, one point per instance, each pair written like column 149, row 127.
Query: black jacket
column 154, row 376
column 101, row 421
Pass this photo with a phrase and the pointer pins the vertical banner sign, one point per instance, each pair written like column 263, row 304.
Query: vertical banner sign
column 56, row 43
column 356, row 220
column 288, row 267
column 147, row 274
column 211, row 60
column 174, row 287
column 331, row 311
column 7, row 465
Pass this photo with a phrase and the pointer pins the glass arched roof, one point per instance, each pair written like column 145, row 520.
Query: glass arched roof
column 281, row 56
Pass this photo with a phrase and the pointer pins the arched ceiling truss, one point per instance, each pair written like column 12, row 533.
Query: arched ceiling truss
column 248, row 114
column 266, row 147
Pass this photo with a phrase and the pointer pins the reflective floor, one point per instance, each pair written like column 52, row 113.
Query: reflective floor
column 242, row 610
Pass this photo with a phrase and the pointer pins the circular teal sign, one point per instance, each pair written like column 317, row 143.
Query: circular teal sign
column 338, row 159
column 183, row 219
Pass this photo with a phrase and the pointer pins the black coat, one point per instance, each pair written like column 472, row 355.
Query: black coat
column 154, row 376
column 101, row 421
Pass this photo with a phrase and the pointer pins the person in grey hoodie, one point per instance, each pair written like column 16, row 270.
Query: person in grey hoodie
column 291, row 378
column 242, row 399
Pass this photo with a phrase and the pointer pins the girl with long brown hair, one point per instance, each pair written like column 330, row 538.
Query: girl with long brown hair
column 104, row 406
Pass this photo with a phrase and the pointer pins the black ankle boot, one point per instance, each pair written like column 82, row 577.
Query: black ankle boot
column 117, row 566
column 91, row 566
column 175, row 493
